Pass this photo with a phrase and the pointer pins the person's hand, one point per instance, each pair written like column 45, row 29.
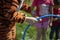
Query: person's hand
column 55, row 19
column 31, row 20
column 39, row 19
column 50, row 24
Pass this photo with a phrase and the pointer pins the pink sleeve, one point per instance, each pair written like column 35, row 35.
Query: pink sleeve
column 59, row 10
column 52, row 2
column 34, row 3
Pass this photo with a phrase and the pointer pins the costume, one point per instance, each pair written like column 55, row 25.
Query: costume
column 8, row 19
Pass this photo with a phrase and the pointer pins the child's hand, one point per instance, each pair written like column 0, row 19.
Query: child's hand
column 50, row 24
column 55, row 19
column 39, row 19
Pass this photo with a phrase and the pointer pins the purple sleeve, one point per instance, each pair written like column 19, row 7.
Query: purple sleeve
column 52, row 2
column 34, row 3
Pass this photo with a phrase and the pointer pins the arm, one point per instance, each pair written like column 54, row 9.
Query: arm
column 50, row 18
column 20, row 18
column 31, row 20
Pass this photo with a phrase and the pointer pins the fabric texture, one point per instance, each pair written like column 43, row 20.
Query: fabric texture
column 38, row 2
column 8, row 19
column 42, row 24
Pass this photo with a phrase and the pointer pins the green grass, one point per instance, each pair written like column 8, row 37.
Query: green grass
column 31, row 34
column 20, row 30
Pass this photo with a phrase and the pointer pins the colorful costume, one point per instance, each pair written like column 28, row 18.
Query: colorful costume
column 8, row 19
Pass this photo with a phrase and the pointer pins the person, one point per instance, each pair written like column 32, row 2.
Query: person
column 9, row 17
column 42, row 8
column 55, row 23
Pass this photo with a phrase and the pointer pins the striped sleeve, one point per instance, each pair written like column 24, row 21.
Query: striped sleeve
column 19, row 17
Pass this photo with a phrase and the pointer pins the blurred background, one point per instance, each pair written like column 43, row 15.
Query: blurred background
column 31, row 34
